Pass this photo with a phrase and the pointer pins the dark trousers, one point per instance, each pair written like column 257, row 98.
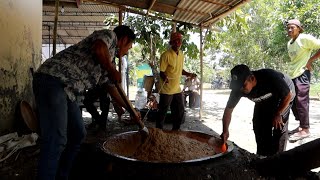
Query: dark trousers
column 91, row 96
column 269, row 140
column 300, row 107
column 194, row 99
column 175, row 101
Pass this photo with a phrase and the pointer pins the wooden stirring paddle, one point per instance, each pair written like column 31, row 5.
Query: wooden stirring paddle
column 131, row 110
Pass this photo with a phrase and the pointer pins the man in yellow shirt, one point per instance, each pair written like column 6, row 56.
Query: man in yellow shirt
column 300, row 48
column 171, row 70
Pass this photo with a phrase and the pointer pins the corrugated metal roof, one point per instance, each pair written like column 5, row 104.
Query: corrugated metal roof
column 80, row 18
column 74, row 23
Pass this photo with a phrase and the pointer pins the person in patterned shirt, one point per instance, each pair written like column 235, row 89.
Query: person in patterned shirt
column 57, row 82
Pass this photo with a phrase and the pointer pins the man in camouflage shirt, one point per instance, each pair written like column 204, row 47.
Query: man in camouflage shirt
column 55, row 85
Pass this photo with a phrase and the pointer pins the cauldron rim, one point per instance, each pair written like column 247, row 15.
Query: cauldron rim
column 230, row 148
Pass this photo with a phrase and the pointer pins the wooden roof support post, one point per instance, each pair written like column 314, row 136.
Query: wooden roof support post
column 49, row 40
column 55, row 28
column 174, row 27
column 120, row 16
column 120, row 23
column 150, row 7
column 201, row 72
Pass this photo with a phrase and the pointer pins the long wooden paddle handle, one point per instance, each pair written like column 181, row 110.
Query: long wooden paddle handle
column 129, row 105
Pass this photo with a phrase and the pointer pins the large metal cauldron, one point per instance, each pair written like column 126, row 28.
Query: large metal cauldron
column 130, row 141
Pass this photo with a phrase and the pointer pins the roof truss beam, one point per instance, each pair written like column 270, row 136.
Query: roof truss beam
column 63, row 36
column 75, row 23
column 103, row 14
column 72, row 28
column 150, row 7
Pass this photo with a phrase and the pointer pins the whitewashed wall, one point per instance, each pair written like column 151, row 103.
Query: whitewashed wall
column 20, row 50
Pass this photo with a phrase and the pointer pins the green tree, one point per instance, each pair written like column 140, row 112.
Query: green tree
column 153, row 36
column 307, row 12
column 255, row 34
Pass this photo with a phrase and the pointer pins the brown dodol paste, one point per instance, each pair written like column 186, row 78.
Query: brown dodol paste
column 164, row 147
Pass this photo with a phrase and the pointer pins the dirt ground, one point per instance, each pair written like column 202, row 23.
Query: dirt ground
column 241, row 131
column 92, row 163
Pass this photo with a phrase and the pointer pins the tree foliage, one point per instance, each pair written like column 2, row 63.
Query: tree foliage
column 153, row 37
column 255, row 34
column 159, row 30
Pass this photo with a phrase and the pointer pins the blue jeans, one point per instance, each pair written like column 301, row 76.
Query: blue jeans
column 61, row 127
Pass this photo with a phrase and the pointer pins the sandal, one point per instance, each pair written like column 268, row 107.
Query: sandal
column 299, row 136
column 298, row 129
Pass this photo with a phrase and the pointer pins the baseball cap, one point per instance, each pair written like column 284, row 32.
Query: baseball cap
column 239, row 74
column 295, row 22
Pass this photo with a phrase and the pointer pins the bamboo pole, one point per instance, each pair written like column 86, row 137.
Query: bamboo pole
column 120, row 23
column 54, row 41
column 49, row 42
column 150, row 7
column 201, row 73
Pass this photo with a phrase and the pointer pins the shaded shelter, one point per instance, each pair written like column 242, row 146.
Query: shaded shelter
column 80, row 18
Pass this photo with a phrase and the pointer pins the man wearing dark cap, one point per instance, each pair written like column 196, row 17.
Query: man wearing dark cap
column 171, row 69
column 300, row 48
column 273, row 93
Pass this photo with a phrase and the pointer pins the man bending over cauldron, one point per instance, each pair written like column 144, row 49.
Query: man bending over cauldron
column 58, row 79
column 273, row 93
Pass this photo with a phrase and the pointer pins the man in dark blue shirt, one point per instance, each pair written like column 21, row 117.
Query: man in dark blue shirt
column 273, row 93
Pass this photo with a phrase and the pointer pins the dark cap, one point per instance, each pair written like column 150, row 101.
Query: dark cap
column 295, row 22
column 239, row 74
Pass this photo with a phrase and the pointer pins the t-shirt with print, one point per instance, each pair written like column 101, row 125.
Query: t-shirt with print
column 171, row 64
column 77, row 66
column 271, row 86
column 300, row 52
